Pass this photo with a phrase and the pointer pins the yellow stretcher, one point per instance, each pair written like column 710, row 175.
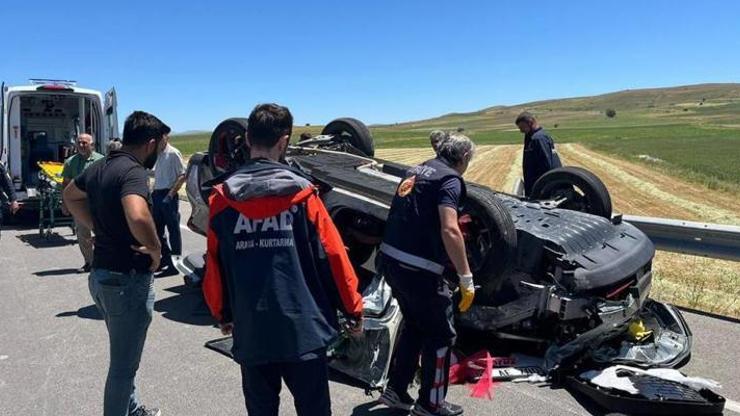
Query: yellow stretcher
column 50, row 198
column 52, row 170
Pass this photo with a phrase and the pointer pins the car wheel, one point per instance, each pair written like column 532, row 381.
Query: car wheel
column 354, row 132
column 490, row 240
column 575, row 189
column 228, row 149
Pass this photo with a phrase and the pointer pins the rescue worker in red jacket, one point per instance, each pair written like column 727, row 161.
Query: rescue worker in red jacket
column 276, row 273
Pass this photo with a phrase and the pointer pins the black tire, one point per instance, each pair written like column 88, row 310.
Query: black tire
column 227, row 148
column 566, row 182
column 356, row 133
column 490, row 241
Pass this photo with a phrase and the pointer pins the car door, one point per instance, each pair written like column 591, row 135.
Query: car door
column 111, row 115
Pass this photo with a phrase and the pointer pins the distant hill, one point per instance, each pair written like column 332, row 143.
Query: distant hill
column 694, row 130
column 705, row 104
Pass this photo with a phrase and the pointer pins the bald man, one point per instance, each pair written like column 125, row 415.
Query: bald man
column 73, row 167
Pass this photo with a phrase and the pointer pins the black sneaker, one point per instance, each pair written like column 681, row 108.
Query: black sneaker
column 447, row 409
column 145, row 411
column 395, row 400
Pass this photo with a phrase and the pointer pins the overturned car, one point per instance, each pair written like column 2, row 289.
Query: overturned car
column 555, row 270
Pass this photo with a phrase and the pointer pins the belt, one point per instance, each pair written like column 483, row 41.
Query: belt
column 411, row 260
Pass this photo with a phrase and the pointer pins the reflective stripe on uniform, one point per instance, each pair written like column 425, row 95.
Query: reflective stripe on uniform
column 411, row 259
column 438, row 393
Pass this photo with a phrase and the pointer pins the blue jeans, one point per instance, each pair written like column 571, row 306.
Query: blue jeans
column 126, row 301
column 167, row 215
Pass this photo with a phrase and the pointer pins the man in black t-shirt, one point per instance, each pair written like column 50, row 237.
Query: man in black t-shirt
column 111, row 197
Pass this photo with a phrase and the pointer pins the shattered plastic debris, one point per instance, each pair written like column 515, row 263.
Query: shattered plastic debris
column 617, row 377
column 534, row 379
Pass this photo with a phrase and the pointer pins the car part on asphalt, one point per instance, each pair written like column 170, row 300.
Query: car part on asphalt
column 655, row 392
column 668, row 346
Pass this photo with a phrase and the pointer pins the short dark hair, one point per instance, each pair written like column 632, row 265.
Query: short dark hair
column 140, row 127
column 268, row 123
column 166, row 129
column 525, row 116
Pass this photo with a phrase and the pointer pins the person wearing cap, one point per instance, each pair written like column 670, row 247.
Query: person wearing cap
column 422, row 236
column 539, row 151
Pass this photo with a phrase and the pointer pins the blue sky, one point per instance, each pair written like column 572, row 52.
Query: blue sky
column 196, row 63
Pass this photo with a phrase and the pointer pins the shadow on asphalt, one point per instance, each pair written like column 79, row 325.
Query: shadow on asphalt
column 589, row 405
column 87, row 312
column 187, row 306
column 56, row 272
column 37, row 241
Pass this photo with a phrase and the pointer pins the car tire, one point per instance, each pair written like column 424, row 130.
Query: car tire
column 593, row 197
column 356, row 133
column 491, row 255
column 227, row 148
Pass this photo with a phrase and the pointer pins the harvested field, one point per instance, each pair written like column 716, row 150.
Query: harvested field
column 695, row 282
column 493, row 166
column 639, row 190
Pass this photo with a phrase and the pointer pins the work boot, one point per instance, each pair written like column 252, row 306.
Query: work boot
column 446, row 409
column 145, row 411
column 395, row 400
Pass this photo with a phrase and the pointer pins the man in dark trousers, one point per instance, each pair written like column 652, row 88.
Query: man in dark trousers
column 422, row 236
column 7, row 192
column 276, row 273
column 111, row 197
column 169, row 176
column 539, row 151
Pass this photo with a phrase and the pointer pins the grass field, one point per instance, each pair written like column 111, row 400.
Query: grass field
column 672, row 152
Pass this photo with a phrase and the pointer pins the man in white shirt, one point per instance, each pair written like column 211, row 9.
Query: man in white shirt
column 169, row 176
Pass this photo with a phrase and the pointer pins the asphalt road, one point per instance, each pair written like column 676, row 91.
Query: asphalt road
column 53, row 348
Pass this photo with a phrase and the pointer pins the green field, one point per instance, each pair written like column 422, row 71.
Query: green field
column 694, row 130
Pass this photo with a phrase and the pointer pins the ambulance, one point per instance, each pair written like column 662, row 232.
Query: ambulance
column 40, row 122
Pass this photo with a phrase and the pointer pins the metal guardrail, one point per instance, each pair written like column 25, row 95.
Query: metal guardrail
column 688, row 237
